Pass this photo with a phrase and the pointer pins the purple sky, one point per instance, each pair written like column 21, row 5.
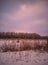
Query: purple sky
column 24, row 16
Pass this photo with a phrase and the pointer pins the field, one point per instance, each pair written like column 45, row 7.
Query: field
column 24, row 58
column 23, row 52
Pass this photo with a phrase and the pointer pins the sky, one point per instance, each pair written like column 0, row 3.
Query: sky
column 24, row 16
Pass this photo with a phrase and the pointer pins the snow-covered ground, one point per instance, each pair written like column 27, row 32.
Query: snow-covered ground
column 24, row 58
column 29, row 57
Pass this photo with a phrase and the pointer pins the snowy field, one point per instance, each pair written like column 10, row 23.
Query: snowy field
column 28, row 57
column 24, row 58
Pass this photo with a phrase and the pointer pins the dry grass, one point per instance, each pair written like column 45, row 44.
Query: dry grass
column 20, row 45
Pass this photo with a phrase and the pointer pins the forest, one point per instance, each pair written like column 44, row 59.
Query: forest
column 5, row 35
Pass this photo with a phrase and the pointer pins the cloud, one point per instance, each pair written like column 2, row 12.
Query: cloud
column 24, row 15
column 26, row 11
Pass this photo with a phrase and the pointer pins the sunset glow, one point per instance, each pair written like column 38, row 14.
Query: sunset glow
column 24, row 16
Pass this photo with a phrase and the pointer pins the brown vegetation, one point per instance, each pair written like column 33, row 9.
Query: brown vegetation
column 21, row 45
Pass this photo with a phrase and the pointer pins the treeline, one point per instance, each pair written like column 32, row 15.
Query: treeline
column 5, row 35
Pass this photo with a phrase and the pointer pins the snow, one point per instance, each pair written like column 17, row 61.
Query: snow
column 29, row 57
column 24, row 58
